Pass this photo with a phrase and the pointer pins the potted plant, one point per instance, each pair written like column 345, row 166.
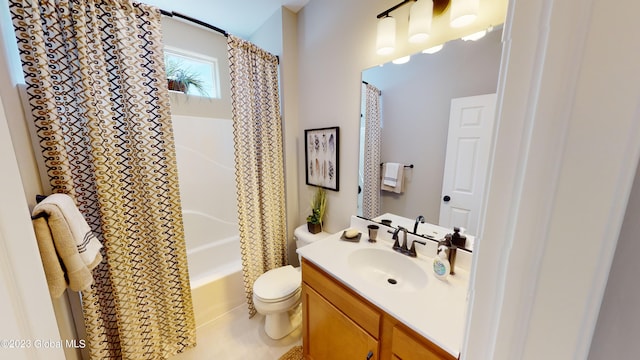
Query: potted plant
column 318, row 207
column 181, row 78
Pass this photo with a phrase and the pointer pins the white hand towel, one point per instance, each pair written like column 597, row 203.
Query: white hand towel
column 88, row 245
column 399, row 187
column 391, row 174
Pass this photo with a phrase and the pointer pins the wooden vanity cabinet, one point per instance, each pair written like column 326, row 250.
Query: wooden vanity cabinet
column 340, row 324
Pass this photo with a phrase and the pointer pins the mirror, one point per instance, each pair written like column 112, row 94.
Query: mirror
column 415, row 110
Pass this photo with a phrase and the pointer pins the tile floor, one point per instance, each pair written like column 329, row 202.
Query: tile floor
column 234, row 336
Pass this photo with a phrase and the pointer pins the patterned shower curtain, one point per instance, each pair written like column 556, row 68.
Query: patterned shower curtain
column 95, row 79
column 371, row 186
column 257, row 134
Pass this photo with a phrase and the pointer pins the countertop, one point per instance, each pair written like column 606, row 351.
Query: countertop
column 436, row 311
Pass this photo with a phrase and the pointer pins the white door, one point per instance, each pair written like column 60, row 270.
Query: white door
column 465, row 169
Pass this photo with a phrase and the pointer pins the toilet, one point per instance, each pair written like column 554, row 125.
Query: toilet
column 276, row 293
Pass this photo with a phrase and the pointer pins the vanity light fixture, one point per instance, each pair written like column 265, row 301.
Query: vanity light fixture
column 420, row 19
column 463, row 12
column 433, row 49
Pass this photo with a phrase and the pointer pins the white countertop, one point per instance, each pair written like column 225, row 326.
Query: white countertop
column 437, row 311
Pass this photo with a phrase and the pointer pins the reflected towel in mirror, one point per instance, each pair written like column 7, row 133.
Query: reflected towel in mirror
column 393, row 177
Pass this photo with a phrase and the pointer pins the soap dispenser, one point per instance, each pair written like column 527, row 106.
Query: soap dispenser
column 452, row 251
column 441, row 266
column 458, row 239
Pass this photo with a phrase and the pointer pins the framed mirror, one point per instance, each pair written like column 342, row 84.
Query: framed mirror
column 415, row 108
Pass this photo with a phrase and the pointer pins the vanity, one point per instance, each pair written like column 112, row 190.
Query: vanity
column 362, row 300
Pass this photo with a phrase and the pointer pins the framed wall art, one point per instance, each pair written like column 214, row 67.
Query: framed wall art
column 321, row 157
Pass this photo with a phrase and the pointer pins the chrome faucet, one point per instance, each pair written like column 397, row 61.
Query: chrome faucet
column 419, row 219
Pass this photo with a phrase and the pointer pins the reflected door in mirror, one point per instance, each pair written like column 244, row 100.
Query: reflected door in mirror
column 465, row 170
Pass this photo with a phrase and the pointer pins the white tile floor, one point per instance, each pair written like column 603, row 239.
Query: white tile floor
column 234, row 336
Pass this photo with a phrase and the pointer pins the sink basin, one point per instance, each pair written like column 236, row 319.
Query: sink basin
column 387, row 269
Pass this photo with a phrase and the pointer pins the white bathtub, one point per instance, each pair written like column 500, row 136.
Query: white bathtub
column 215, row 272
column 204, row 152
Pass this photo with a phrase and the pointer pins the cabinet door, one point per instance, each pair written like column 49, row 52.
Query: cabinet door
column 406, row 347
column 329, row 334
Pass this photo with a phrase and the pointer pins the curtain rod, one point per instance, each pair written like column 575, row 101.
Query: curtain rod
column 195, row 21
column 201, row 23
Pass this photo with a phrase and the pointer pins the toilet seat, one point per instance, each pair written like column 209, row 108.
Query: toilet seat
column 282, row 299
column 277, row 284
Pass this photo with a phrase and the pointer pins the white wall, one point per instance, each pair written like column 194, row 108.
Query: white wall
column 558, row 191
column 618, row 325
column 416, row 99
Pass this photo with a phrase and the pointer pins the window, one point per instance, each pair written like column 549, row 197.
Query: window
column 191, row 73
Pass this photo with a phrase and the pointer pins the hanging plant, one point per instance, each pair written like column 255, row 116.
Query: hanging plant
column 181, row 78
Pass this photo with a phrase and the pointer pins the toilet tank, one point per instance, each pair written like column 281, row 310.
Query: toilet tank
column 303, row 237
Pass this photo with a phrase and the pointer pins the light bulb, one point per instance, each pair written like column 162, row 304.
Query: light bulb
column 420, row 17
column 386, row 36
column 463, row 12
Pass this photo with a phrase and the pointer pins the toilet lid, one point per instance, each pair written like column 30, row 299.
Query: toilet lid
column 277, row 283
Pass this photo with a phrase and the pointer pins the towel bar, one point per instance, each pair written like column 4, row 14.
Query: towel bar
column 407, row 166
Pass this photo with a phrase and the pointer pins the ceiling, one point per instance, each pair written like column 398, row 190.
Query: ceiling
column 238, row 17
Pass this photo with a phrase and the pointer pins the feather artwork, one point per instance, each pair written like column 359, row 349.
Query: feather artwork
column 331, row 170
column 332, row 145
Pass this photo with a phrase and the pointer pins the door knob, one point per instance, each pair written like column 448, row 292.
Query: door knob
column 370, row 355
column 446, row 198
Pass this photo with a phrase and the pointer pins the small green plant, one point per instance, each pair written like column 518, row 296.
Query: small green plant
column 181, row 78
column 318, row 207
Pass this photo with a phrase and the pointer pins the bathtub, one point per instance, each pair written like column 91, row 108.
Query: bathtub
column 215, row 273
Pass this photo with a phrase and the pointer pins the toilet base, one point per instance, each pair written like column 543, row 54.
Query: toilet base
column 279, row 325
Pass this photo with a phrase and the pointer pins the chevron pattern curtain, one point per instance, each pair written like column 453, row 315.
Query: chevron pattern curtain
column 257, row 134
column 371, row 185
column 95, row 80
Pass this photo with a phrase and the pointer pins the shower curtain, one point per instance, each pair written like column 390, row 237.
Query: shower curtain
column 95, row 79
column 371, row 185
column 257, row 134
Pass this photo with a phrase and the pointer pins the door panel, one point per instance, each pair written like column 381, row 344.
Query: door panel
column 468, row 143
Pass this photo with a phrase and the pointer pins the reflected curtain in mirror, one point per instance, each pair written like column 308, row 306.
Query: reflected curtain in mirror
column 96, row 87
column 371, row 166
column 258, row 151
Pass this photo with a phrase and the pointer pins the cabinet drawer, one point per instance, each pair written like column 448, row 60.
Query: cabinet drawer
column 350, row 303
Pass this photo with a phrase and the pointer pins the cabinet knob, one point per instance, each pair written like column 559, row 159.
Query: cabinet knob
column 446, row 198
column 370, row 355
